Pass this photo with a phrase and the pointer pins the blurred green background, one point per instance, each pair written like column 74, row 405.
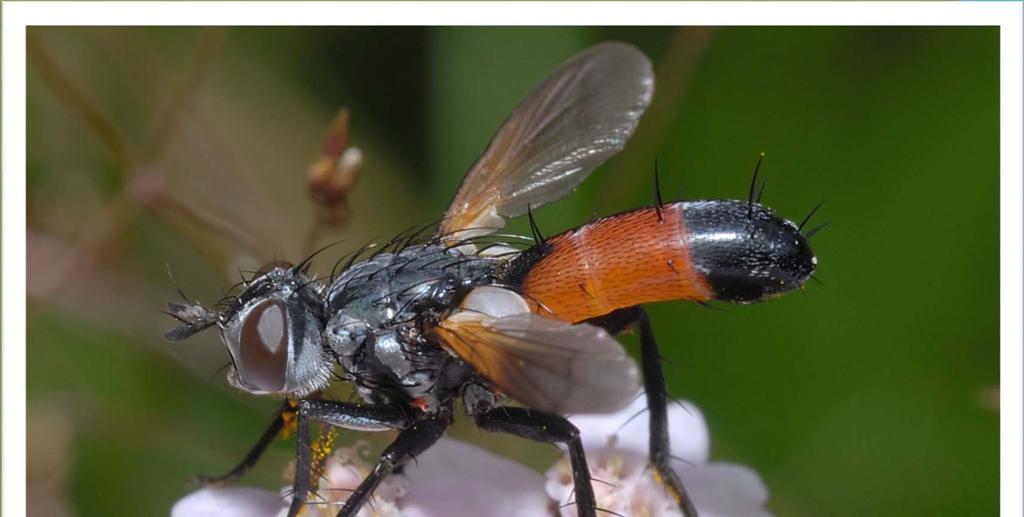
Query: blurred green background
column 874, row 394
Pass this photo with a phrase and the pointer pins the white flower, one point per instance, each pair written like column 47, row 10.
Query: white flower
column 228, row 502
column 451, row 478
column 454, row 479
column 616, row 446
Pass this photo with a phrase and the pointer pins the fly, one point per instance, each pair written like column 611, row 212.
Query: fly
column 459, row 315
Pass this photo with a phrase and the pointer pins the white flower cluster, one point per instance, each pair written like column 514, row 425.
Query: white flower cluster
column 454, row 478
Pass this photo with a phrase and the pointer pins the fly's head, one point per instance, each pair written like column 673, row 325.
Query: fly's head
column 273, row 331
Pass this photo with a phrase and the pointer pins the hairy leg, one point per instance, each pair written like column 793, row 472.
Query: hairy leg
column 657, row 399
column 254, row 454
column 357, row 417
column 410, row 443
column 545, row 427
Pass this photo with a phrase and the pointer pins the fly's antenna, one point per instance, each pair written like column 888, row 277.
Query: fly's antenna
column 808, row 217
column 537, row 237
column 193, row 318
column 753, row 183
column 657, row 193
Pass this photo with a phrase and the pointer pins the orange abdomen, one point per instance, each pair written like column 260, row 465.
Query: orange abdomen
column 620, row 261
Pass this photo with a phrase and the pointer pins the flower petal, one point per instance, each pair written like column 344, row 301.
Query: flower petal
column 725, row 490
column 718, row 489
column 688, row 431
column 455, row 478
column 229, row 502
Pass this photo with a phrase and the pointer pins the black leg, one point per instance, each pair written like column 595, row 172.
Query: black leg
column 340, row 414
column 545, row 427
column 657, row 407
column 254, row 454
column 410, row 443
column 657, row 400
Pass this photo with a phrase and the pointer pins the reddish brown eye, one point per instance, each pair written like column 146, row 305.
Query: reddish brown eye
column 264, row 346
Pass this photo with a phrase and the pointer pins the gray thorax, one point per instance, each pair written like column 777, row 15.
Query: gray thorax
column 379, row 311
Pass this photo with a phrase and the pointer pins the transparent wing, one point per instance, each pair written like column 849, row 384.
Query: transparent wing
column 545, row 364
column 567, row 126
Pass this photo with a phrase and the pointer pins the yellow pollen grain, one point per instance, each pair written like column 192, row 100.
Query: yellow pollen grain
column 661, row 481
column 291, row 424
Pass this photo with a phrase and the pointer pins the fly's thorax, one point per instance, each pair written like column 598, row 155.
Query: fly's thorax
column 379, row 309
column 387, row 287
column 273, row 332
column 394, row 362
column 345, row 334
column 745, row 251
column 418, row 283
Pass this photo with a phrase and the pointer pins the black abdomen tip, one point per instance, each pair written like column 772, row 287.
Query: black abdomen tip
column 746, row 254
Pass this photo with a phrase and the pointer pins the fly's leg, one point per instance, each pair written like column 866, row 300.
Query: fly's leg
column 410, row 443
column 545, row 427
column 657, row 400
column 657, row 407
column 339, row 414
column 254, row 454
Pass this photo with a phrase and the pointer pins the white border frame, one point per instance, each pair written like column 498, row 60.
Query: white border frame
column 18, row 15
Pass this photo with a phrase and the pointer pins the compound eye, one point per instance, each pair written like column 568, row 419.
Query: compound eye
column 264, row 346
